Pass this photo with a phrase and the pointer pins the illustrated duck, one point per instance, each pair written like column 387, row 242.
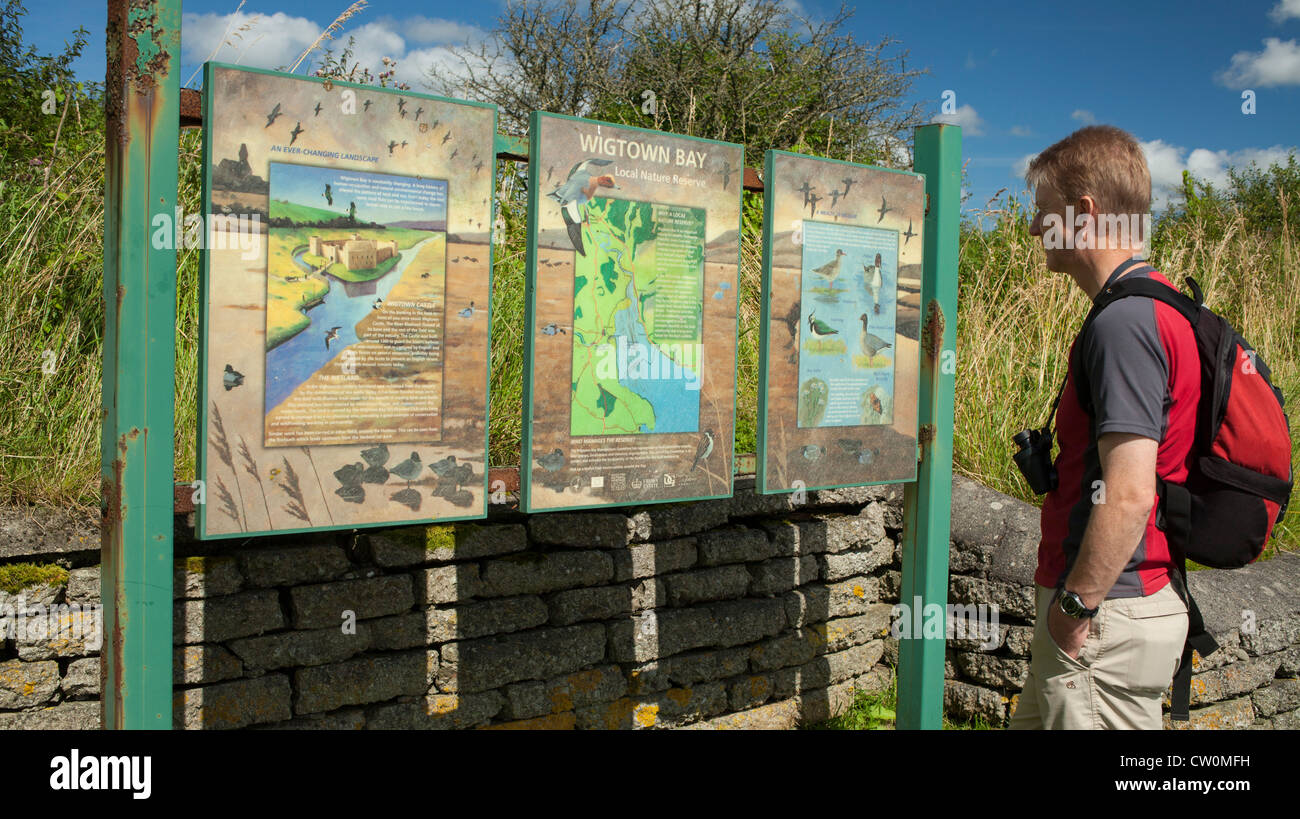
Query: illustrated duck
column 576, row 191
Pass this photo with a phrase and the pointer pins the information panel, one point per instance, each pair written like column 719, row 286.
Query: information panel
column 346, row 286
column 633, row 255
column 841, row 315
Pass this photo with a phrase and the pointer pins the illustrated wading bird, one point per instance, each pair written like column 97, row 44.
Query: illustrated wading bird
column 365, row 106
column 552, row 461
column 703, row 450
column 331, row 334
column 328, row 194
column 231, row 378
column 317, row 109
column 271, row 117
column 884, row 208
column 552, row 329
column 870, row 342
column 907, row 237
column 848, row 183
column 575, row 192
column 871, row 283
column 297, row 129
column 819, row 329
column 831, row 270
column 806, row 190
column 408, row 469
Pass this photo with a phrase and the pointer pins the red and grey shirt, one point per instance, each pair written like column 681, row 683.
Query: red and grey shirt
column 1144, row 377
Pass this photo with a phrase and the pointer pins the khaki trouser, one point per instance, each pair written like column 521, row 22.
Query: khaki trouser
column 1126, row 664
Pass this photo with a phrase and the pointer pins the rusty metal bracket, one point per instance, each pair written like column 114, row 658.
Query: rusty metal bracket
column 932, row 331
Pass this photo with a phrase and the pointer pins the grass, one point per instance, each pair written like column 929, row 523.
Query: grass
column 1014, row 325
column 877, row 711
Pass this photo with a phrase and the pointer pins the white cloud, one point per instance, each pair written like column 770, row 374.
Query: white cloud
column 1021, row 165
column 1084, row 116
column 1167, row 163
column 1284, row 10
column 1021, row 131
column 1277, row 64
column 265, row 41
column 966, row 117
column 272, row 41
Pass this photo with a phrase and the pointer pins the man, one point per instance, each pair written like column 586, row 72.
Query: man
column 1110, row 620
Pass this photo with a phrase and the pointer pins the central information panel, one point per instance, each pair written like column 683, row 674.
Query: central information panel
column 633, row 256
column 347, row 277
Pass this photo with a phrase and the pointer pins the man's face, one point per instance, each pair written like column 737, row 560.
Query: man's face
column 1048, row 201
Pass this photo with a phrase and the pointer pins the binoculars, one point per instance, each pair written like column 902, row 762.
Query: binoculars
column 1034, row 459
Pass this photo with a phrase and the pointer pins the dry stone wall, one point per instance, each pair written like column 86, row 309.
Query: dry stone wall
column 744, row 613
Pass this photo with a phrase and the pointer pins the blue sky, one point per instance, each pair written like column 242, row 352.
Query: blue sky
column 1022, row 74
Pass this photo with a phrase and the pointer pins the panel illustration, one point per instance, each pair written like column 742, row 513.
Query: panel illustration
column 347, row 278
column 841, row 309
column 630, row 359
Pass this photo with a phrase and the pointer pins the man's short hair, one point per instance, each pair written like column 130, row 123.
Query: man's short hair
column 1100, row 161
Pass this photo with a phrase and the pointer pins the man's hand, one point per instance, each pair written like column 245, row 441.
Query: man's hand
column 1068, row 632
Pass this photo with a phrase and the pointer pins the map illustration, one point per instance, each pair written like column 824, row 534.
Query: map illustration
column 637, row 319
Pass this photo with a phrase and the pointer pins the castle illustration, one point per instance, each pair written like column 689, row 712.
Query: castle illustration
column 355, row 253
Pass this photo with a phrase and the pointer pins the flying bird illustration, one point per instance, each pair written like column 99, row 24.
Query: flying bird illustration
column 391, row 145
column 819, row 329
column 401, row 106
column 418, row 111
column 453, row 154
column 870, row 342
column 552, row 461
column 726, row 173
column 297, row 129
column 813, row 199
column 805, row 190
column 703, row 450
column 365, row 106
column 317, row 109
column 907, row 237
column 549, row 172
column 331, row 334
column 884, row 208
column 271, row 117
column 328, row 194
column 231, row 378
column 831, row 270
column 848, row 183
column 576, row 191
column 403, row 143
column 478, row 166
column 446, row 137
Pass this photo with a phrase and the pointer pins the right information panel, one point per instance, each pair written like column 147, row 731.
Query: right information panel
column 841, row 320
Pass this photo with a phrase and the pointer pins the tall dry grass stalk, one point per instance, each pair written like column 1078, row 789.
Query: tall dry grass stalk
column 329, row 32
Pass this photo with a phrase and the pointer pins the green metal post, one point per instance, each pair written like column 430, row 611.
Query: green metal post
column 143, row 91
column 927, row 503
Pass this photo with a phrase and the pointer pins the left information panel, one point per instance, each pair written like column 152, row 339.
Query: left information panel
column 346, row 289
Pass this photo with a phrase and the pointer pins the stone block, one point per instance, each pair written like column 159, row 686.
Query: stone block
column 436, row 712
column 707, row 585
column 217, row 619
column 234, row 704
column 27, row 685
column 452, row 583
column 734, row 544
column 538, row 573
column 471, row 620
column 578, row 530
column 323, row 606
column 196, row 664
column 649, row 559
column 491, row 662
column 199, row 577
column 782, row 574
column 293, row 566
column 363, row 680
column 81, row 680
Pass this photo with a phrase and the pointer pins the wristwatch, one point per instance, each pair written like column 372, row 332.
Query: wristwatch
column 1072, row 605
